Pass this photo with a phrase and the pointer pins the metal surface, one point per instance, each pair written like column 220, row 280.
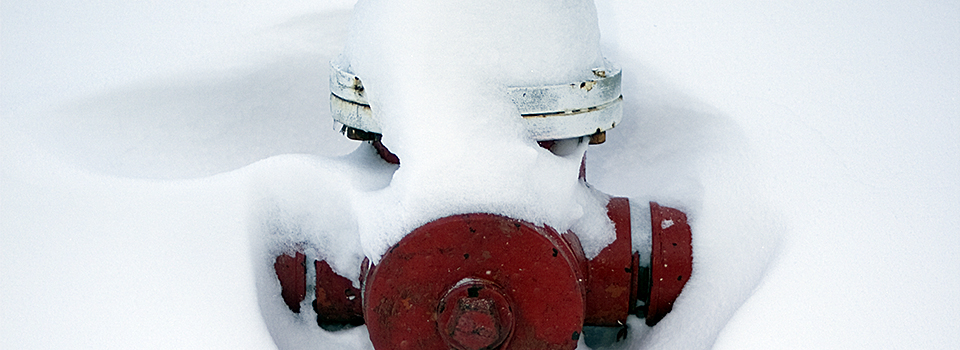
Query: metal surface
column 374, row 139
column 348, row 101
column 551, row 112
column 533, row 266
column 610, row 279
column 385, row 153
column 483, row 281
column 292, row 274
column 475, row 314
column 479, row 281
column 337, row 302
column 671, row 260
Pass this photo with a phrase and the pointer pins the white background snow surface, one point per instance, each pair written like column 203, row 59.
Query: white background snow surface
column 816, row 146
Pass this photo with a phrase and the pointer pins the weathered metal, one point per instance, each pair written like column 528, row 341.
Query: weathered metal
column 291, row 272
column 484, row 281
column 671, row 260
column 337, row 301
column 550, row 112
column 532, row 265
column 475, row 314
column 374, row 139
column 385, row 153
column 609, row 281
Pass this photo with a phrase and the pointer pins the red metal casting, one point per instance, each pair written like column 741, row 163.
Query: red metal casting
column 292, row 273
column 671, row 259
column 475, row 314
column 533, row 267
column 338, row 302
column 484, row 281
column 609, row 281
column 385, row 153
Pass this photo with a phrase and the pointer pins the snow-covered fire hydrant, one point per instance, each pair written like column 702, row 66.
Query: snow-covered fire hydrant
column 487, row 281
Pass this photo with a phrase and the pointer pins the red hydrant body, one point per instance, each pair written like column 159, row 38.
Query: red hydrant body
column 484, row 281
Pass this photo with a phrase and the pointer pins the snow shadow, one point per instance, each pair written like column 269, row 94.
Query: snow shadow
column 184, row 128
column 197, row 124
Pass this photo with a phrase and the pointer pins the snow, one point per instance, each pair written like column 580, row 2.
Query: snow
column 146, row 147
column 435, row 75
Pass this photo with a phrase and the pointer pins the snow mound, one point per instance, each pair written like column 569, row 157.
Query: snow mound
column 435, row 73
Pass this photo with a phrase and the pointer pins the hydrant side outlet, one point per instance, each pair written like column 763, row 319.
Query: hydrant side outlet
column 610, row 278
column 671, row 260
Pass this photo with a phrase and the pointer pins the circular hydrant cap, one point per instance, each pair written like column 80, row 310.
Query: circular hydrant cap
column 475, row 314
column 529, row 278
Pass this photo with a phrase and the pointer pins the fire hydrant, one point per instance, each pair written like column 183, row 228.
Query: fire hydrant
column 486, row 281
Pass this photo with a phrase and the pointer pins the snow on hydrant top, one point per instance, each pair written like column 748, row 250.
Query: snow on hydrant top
column 435, row 74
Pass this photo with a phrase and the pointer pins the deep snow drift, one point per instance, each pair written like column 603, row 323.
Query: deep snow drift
column 815, row 147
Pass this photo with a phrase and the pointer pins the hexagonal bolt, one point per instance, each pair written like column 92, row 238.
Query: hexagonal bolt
column 475, row 315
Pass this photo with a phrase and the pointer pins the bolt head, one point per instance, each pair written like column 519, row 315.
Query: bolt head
column 475, row 315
